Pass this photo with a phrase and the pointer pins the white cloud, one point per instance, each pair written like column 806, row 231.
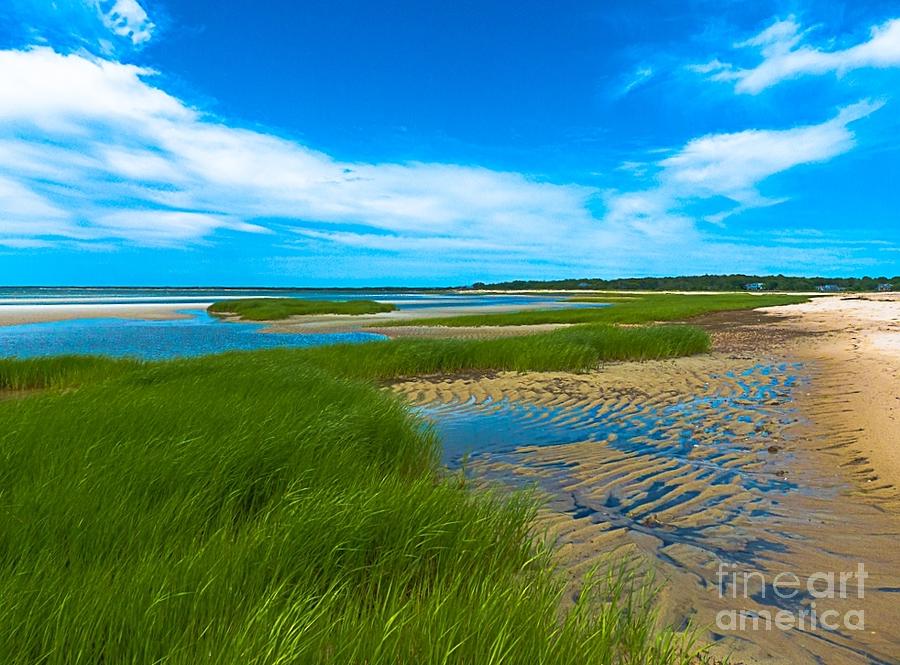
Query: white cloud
column 62, row 94
column 784, row 56
column 125, row 18
column 24, row 243
column 639, row 77
column 731, row 166
column 92, row 153
column 27, row 213
column 166, row 227
column 90, row 137
column 400, row 243
column 713, row 66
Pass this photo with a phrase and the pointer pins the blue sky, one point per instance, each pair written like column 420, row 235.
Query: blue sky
column 336, row 142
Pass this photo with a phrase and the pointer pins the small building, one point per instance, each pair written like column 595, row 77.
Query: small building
column 829, row 288
column 755, row 286
column 884, row 287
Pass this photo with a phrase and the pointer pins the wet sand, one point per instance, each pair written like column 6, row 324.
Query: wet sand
column 11, row 315
column 772, row 455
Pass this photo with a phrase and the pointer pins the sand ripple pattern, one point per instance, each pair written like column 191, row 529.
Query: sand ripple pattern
column 681, row 465
column 674, row 465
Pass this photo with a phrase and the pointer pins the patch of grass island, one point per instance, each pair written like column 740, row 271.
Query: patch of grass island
column 278, row 309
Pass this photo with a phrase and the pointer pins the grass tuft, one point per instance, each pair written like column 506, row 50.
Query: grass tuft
column 58, row 371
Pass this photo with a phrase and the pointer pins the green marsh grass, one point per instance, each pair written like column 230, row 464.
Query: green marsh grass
column 578, row 348
column 274, row 507
column 277, row 309
column 624, row 309
column 57, row 371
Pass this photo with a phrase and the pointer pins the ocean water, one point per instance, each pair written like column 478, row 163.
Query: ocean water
column 187, row 296
column 154, row 340
column 200, row 334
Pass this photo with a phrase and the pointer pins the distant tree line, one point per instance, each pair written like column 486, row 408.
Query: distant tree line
column 699, row 283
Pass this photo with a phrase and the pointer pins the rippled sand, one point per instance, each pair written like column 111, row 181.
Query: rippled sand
column 752, row 456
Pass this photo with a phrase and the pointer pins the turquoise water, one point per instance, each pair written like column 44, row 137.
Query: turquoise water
column 153, row 340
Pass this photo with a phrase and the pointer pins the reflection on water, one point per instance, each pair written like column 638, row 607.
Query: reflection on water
column 201, row 334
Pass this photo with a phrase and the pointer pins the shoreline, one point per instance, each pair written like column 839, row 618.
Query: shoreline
column 11, row 315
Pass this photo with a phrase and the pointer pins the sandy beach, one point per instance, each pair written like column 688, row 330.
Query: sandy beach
column 853, row 345
column 855, row 341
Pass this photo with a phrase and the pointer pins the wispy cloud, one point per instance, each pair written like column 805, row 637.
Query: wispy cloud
column 636, row 79
column 731, row 166
column 94, row 147
column 786, row 56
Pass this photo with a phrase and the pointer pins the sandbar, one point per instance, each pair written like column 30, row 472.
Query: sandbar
column 11, row 315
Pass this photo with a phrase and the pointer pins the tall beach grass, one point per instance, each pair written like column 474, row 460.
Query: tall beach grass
column 270, row 507
column 578, row 348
